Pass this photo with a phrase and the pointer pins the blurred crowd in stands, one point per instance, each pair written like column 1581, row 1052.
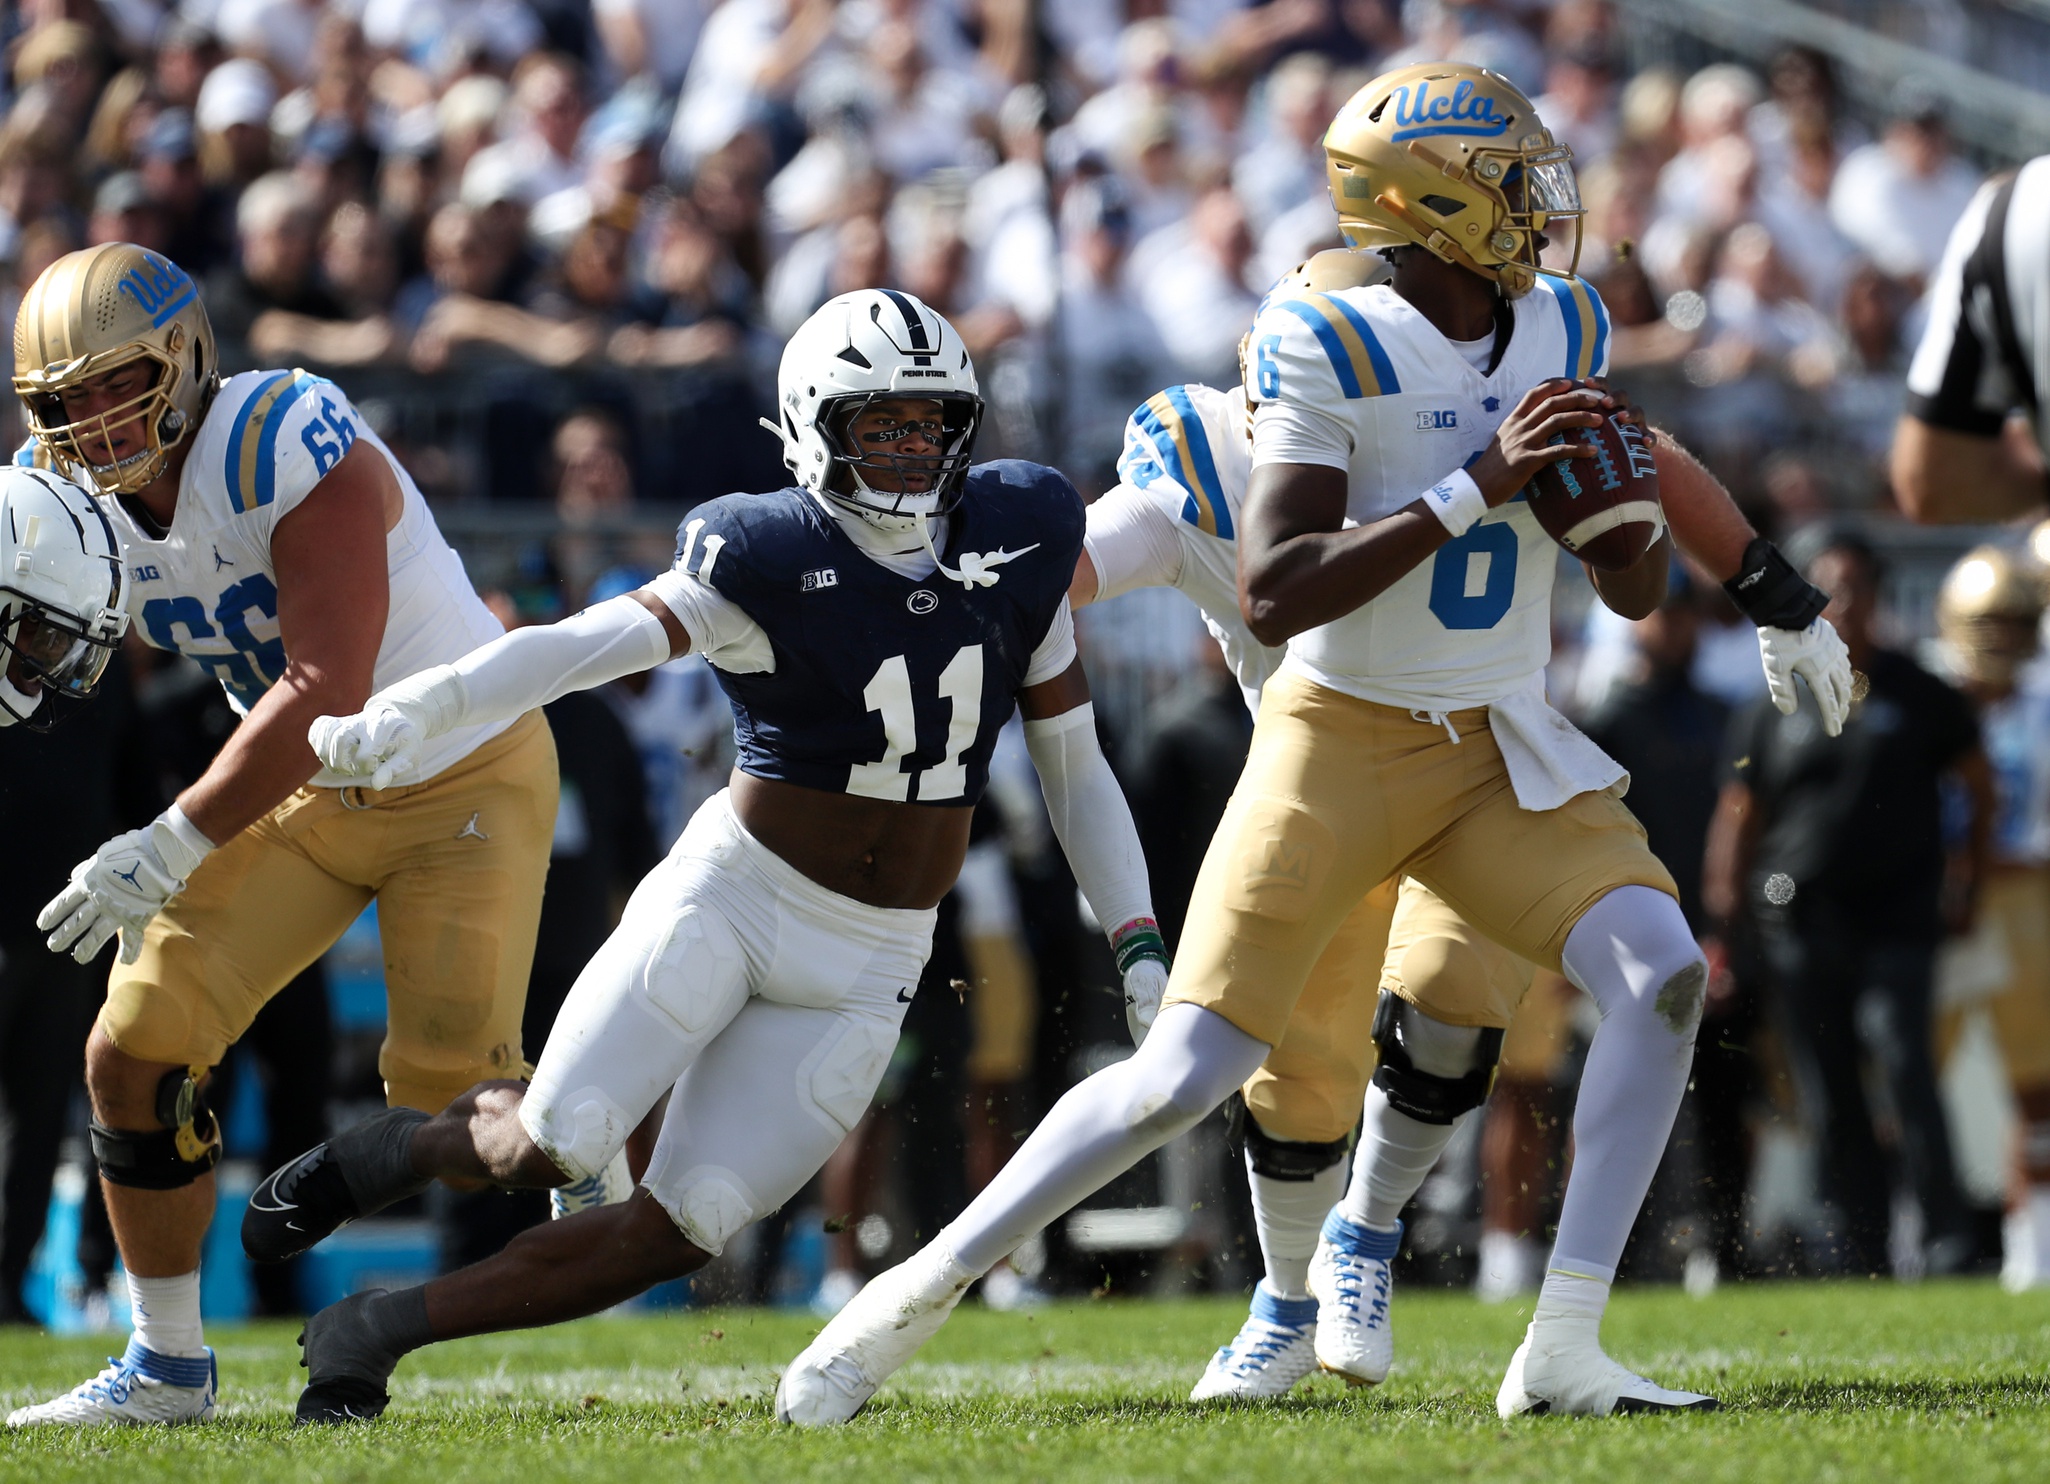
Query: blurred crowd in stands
column 552, row 249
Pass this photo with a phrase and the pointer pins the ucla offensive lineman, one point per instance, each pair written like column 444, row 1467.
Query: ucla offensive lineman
column 1406, row 731
column 874, row 627
column 271, row 537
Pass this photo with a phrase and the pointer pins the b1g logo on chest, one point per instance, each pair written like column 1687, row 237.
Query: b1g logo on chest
column 818, row 577
column 1436, row 421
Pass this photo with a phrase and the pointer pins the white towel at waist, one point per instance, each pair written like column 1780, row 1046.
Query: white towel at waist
column 1550, row 760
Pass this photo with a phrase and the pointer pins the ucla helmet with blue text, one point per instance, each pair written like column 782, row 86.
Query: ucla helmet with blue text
column 98, row 310
column 1453, row 159
column 856, row 349
column 63, row 593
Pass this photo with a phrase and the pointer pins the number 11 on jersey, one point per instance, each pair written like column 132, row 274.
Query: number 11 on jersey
column 889, row 692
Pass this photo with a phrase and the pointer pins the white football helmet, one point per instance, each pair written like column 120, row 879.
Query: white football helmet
column 63, row 594
column 855, row 349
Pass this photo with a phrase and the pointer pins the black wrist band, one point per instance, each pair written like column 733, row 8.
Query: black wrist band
column 1768, row 591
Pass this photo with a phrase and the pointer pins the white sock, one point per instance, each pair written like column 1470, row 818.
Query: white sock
column 1395, row 1156
column 1288, row 1214
column 166, row 1313
column 1102, row 1126
column 1573, row 1300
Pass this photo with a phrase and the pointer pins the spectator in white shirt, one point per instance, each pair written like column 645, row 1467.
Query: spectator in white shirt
column 1286, row 167
column 1198, row 295
column 1897, row 200
column 540, row 157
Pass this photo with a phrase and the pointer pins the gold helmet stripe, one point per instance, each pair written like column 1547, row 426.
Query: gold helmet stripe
column 1357, row 359
column 1170, row 421
column 252, row 447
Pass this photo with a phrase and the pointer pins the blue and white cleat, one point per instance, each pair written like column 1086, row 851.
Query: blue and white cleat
column 1566, row 1372
column 140, row 1388
column 1274, row 1349
column 1352, row 1275
column 608, row 1187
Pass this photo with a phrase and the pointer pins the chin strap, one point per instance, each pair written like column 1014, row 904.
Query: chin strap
column 977, row 567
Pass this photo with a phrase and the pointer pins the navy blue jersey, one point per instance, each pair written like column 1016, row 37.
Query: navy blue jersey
column 884, row 685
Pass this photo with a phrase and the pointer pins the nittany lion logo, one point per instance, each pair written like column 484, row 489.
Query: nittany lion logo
column 160, row 289
column 1419, row 114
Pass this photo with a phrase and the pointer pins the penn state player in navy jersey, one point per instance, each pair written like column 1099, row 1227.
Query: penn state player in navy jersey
column 874, row 628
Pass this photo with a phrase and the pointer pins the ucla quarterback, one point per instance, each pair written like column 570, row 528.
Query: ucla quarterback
column 874, row 627
column 269, row 536
column 1406, row 731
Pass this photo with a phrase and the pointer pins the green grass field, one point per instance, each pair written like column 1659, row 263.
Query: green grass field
column 1849, row 1381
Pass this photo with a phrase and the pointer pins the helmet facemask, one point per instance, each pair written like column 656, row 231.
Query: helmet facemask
column 944, row 473
column 154, row 411
column 52, row 650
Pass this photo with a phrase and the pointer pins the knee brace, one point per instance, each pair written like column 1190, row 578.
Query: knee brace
column 1277, row 1159
column 171, row 1157
column 1437, row 1095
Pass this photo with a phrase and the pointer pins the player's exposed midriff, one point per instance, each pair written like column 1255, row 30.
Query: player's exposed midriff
column 879, row 852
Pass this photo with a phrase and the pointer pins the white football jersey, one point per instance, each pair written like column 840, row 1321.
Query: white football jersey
column 1173, row 518
column 1357, row 379
column 208, row 590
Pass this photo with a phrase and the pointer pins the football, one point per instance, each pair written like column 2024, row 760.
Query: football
column 1604, row 509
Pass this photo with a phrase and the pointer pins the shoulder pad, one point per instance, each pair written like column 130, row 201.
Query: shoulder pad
column 1586, row 320
column 32, row 455
column 1330, row 342
column 1038, row 500
column 289, row 429
column 1168, row 448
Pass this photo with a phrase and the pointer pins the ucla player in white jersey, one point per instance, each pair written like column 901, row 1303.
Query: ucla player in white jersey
column 269, row 536
column 874, row 626
column 1988, row 614
column 1406, row 731
column 1172, row 521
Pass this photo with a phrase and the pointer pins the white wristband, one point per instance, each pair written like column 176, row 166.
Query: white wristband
column 1457, row 501
column 181, row 845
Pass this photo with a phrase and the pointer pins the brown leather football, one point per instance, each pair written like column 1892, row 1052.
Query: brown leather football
column 1603, row 509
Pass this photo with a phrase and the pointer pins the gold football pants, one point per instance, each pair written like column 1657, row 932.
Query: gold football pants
column 456, row 866
column 1339, row 794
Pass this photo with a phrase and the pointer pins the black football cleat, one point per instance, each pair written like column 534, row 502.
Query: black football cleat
column 330, row 1403
column 358, row 1172
column 347, row 1364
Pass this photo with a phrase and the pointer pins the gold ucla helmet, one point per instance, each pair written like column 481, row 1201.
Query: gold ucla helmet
column 96, row 311
column 1987, row 613
column 1452, row 159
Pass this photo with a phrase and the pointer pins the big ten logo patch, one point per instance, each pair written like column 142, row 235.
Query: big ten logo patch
column 818, row 578
column 1432, row 422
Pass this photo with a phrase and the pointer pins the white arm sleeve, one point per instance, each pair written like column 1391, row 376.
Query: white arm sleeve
column 719, row 628
column 529, row 667
column 1131, row 543
column 1090, row 816
column 1056, row 650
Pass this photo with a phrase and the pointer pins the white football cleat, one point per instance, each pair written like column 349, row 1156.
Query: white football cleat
column 866, row 1342
column 1565, row 1371
column 1352, row 1275
column 1274, row 1349
column 140, row 1388
column 608, row 1187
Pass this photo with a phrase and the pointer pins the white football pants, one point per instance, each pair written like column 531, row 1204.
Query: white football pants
column 769, row 1003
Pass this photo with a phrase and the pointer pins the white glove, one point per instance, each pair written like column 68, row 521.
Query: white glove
column 124, row 884
column 383, row 741
column 1816, row 654
column 1145, row 983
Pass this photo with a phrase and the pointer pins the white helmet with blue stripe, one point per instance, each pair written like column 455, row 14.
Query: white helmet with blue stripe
column 860, row 348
